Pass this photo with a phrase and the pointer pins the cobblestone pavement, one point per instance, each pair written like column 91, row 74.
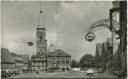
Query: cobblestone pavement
column 80, row 74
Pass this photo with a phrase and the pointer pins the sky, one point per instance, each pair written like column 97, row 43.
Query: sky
column 61, row 19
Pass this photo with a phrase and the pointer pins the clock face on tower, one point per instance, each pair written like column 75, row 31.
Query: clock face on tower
column 41, row 37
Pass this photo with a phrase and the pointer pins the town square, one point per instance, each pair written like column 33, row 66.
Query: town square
column 64, row 39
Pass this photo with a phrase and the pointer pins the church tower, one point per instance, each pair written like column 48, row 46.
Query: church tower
column 41, row 41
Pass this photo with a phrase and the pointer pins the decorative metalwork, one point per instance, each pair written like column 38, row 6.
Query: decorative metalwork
column 30, row 43
column 90, row 36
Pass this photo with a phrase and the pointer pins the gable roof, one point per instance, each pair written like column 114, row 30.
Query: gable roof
column 6, row 57
column 25, row 58
column 17, row 57
column 58, row 52
column 51, row 48
column 13, row 54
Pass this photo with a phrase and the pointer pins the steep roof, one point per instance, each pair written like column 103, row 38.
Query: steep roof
column 25, row 58
column 105, row 53
column 41, row 55
column 51, row 48
column 17, row 57
column 58, row 52
column 109, row 41
column 105, row 45
column 99, row 48
column 13, row 54
column 6, row 57
column 61, row 53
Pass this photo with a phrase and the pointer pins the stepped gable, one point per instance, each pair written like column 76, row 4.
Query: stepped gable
column 6, row 57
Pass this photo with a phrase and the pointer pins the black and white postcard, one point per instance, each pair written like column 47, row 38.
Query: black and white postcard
column 63, row 39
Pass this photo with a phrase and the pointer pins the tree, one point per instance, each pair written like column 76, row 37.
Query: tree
column 87, row 61
column 74, row 64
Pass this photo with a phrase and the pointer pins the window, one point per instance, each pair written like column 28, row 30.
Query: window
column 67, row 62
column 58, row 62
column 58, row 57
column 63, row 62
column 50, row 58
column 63, row 57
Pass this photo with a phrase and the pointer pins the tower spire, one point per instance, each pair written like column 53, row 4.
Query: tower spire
column 40, row 16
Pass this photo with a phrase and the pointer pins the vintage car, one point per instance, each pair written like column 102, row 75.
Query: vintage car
column 90, row 71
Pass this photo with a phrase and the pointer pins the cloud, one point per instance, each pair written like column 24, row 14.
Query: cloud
column 61, row 19
column 12, row 46
column 51, row 37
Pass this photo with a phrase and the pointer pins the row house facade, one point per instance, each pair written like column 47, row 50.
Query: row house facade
column 103, row 54
column 98, row 53
column 38, row 62
column 13, row 62
column 7, row 62
column 21, row 62
column 59, row 59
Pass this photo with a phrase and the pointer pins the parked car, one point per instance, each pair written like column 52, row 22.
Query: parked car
column 90, row 71
column 115, row 71
column 95, row 70
column 76, row 69
column 100, row 70
column 5, row 74
column 16, row 72
column 50, row 70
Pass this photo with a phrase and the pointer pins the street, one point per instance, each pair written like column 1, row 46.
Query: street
column 81, row 74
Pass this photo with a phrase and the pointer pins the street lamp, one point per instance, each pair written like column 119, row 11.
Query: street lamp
column 30, row 43
column 90, row 36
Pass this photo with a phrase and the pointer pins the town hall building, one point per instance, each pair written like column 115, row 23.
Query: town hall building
column 48, row 58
